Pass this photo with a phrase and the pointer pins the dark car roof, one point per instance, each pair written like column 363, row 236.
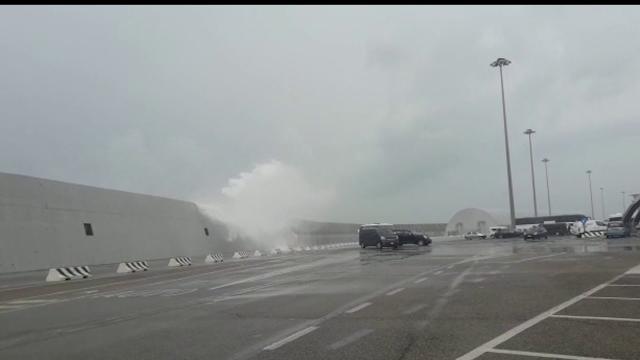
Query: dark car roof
column 536, row 227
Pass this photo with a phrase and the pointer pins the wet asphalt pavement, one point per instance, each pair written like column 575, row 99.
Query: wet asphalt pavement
column 482, row 299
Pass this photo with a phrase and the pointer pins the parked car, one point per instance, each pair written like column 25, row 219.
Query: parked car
column 474, row 235
column 617, row 229
column 411, row 237
column 378, row 235
column 536, row 232
column 503, row 232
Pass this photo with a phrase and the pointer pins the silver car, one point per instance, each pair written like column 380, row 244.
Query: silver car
column 471, row 235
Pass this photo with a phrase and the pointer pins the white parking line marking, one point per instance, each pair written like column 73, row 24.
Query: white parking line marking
column 351, row 338
column 612, row 298
column 439, row 272
column 393, row 292
column 543, row 355
column 420, row 280
column 31, row 301
column 416, row 308
column 594, row 318
column 491, row 344
column 634, row 270
column 290, row 338
column 624, row 285
column 358, row 308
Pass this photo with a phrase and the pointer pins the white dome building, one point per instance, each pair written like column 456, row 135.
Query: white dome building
column 472, row 219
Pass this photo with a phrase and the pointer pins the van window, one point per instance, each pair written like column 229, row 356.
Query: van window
column 385, row 232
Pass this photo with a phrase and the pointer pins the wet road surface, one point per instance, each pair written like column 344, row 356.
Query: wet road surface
column 561, row 298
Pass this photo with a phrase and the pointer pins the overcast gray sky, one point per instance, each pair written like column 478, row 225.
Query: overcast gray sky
column 389, row 113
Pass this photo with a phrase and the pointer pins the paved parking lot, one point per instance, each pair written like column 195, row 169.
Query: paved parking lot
column 601, row 323
column 562, row 298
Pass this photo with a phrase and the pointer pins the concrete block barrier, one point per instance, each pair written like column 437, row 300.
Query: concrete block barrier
column 180, row 261
column 307, row 248
column 257, row 253
column 591, row 234
column 214, row 258
column 68, row 273
column 241, row 255
column 132, row 266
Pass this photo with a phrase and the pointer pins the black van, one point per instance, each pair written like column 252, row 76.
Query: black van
column 378, row 235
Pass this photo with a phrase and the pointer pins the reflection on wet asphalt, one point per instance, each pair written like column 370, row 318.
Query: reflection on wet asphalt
column 438, row 301
column 504, row 247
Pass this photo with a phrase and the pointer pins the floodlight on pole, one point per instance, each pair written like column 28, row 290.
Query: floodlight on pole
column 529, row 132
column 500, row 63
column 602, row 201
column 546, row 172
column 593, row 216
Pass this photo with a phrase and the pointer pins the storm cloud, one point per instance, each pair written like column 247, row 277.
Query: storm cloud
column 394, row 111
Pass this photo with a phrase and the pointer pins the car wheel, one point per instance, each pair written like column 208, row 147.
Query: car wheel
column 395, row 247
column 363, row 245
column 421, row 243
column 379, row 245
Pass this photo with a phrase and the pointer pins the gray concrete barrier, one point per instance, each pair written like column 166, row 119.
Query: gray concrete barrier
column 241, row 255
column 214, row 258
column 132, row 266
column 591, row 234
column 68, row 273
column 180, row 261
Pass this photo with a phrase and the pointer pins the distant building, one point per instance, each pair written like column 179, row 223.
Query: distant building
column 473, row 219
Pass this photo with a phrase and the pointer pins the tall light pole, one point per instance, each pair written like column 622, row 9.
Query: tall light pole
column 500, row 62
column 533, row 178
column 593, row 216
column 624, row 205
column 602, row 201
column 546, row 172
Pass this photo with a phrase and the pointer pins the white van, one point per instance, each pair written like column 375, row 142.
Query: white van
column 494, row 229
